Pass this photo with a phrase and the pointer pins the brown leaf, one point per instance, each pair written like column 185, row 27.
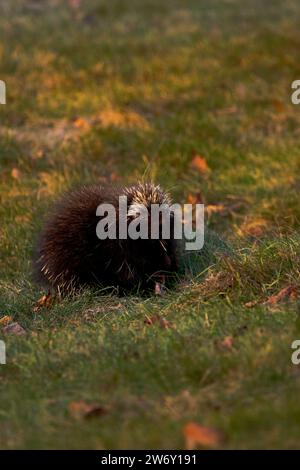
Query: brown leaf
column 150, row 320
column 224, row 208
column 82, row 410
column 5, row 320
column 38, row 154
column 200, row 164
column 14, row 329
column 162, row 322
column 44, row 301
column 114, row 176
column 290, row 292
column 165, row 324
column 81, row 123
column 196, row 435
column 278, row 106
column 252, row 303
column 226, row 343
column 194, row 198
column 15, row 173
column 287, row 293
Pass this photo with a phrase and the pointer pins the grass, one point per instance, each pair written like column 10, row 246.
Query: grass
column 106, row 91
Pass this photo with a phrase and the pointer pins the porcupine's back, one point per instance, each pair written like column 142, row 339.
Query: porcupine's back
column 69, row 254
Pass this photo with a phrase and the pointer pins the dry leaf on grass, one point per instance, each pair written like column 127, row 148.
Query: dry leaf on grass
column 196, row 435
column 224, row 209
column 279, row 106
column 121, row 119
column 5, row 320
column 81, row 123
column 15, row 173
column 14, row 329
column 252, row 303
column 200, row 164
column 82, row 410
column 165, row 324
column 194, row 198
column 226, row 343
column 44, row 301
column 287, row 293
column 114, row 176
column 162, row 322
column 38, row 154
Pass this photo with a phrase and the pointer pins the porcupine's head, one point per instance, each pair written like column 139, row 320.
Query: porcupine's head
column 155, row 256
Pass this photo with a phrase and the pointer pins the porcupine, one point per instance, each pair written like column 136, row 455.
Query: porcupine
column 69, row 254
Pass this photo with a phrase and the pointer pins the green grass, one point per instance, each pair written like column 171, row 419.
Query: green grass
column 154, row 83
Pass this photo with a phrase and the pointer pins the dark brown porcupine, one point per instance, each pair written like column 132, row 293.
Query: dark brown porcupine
column 69, row 254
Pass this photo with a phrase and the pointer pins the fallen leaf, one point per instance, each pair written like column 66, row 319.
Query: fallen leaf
column 287, row 293
column 163, row 323
column 200, row 164
column 252, row 303
column 224, row 208
column 38, row 154
column 278, row 106
column 290, row 292
column 82, row 410
column 5, row 320
column 150, row 320
column 226, row 343
column 194, row 198
column 44, row 301
column 196, row 435
column 15, row 173
column 81, row 123
column 114, row 176
column 14, row 328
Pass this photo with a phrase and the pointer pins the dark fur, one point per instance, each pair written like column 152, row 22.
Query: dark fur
column 73, row 256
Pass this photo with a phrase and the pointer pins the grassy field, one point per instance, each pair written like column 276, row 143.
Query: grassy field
column 102, row 91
